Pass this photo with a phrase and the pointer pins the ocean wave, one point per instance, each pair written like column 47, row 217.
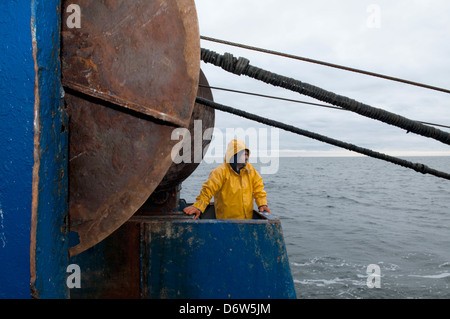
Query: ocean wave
column 319, row 282
column 340, row 215
column 438, row 276
column 328, row 282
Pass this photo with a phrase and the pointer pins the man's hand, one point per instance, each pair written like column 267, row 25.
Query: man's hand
column 264, row 208
column 191, row 210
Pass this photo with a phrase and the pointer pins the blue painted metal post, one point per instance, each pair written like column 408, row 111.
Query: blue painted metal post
column 16, row 147
column 49, row 244
column 33, row 157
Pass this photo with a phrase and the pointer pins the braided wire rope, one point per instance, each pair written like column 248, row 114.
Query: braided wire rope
column 241, row 66
column 336, row 66
column 295, row 101
column 418, row 167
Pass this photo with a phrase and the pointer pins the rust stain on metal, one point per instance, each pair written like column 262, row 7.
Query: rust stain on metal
column 132, row 73
column 137, row 54
column 119, row 167
column 178, row 172
column 36, row 165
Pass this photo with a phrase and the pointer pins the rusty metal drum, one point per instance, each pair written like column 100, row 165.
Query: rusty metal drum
column 131, row 75
column 200, row 134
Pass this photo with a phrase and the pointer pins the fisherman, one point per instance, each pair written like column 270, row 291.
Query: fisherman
column 234, row 185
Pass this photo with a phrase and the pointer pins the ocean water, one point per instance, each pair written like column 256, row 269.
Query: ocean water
column 343, row 217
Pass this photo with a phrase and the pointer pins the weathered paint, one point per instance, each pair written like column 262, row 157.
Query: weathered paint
column 48, row 248
column 173, row 256
column 111, row 268
column 33, row 161
column 16, row 147
column 215, row 259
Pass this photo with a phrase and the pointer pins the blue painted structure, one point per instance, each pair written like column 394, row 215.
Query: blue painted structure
column 33, row 143
column 16, row 147
column 170, row 255
column 216, row 259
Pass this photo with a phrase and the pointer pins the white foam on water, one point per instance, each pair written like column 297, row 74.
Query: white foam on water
column 328, row 282
column 438, row 276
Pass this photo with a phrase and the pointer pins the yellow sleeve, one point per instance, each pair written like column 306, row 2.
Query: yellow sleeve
column 259, row 194
column 209, row 189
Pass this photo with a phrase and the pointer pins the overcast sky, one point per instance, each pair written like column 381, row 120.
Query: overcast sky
column 401, row 38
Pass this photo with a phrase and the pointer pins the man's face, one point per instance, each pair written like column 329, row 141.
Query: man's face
column 243, row 157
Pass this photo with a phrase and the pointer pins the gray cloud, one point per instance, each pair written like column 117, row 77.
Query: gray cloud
column 405, row 39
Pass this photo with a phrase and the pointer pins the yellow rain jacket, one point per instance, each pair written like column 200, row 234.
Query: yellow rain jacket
column 233, row 193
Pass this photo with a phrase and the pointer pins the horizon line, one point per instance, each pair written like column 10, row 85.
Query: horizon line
column 343, row 153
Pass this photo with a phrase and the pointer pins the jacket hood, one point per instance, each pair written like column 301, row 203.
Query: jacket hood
column 234, row 147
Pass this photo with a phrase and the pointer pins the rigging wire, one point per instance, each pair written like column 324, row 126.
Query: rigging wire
column 271, row 97
column 242, row 66
column 336, row 66
column 295, row 101
column 421, row 168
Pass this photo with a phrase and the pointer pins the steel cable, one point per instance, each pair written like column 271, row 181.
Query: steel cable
column 296, row 101
column 242, row 66
column 336, row 66
column 421, row 168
